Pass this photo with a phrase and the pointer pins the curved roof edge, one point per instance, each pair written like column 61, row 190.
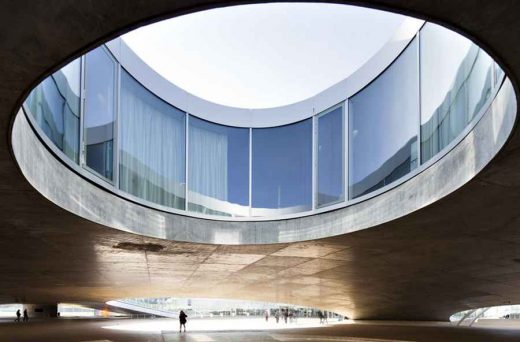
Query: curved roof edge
column 265, row 117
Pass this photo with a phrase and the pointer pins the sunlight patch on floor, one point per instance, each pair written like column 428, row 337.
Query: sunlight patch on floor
column 172, row 325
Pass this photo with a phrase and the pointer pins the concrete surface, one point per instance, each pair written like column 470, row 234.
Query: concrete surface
column 61, row 330
column 457, row 253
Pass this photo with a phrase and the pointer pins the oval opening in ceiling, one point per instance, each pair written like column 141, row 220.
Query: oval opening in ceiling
column 263, row 55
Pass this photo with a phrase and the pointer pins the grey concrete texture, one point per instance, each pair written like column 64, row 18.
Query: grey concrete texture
column 66, row 330
column 459, row 252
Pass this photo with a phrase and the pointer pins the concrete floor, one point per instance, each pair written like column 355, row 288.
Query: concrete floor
column 72, row 330
column 215, row 324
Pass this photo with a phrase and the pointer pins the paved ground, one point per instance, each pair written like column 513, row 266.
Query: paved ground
column 83, row 330
column 215, row 324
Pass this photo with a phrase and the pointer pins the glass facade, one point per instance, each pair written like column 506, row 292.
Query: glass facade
column 456, row 81
column 330, row 157
column 55, row 106
column 161, row 155
column 282, row 163
column 499, row 74
column 151, row 146
column 383, row 126
column 99, row 119
column 218, row 169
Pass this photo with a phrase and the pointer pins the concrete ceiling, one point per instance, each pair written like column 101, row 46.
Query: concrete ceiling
column 459, row 252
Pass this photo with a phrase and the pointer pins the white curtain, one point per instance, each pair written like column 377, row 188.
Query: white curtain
column 152, row 146
column 208, row 163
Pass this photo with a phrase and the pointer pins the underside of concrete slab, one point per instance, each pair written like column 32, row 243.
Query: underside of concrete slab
column 459, row 252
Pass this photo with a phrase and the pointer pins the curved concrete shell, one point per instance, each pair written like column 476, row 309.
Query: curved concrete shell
column 452, row 247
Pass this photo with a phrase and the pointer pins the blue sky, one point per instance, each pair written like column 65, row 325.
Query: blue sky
column 266, row 55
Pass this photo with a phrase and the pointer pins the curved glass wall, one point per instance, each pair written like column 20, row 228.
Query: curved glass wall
column 282, row 163
column 99, row 116
column 456, row 81
column 151, row 146
column 218, row 169
column 383, row 126
column 499, row 74
column 168, row 158
column 55, row 106
column 330, row 156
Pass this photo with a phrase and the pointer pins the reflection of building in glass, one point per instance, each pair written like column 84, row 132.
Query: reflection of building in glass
column 55, row 106
column 392, row 169
column 383, row 125
column 470, row 89
column 99, row 114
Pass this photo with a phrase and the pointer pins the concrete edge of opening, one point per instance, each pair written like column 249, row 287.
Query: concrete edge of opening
column 70, row 191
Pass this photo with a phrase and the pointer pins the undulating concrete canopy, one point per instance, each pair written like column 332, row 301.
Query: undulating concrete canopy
column 457, row 252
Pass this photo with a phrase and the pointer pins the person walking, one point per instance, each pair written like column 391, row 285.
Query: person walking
column 266, row 315
column 18, row 314
column 25, row 316
column 277, row 315
column 320, row 315
column 182, row 320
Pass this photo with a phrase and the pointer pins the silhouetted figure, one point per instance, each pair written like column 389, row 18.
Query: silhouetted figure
column 266, row 315
column 277, row 315
column 25, row 316
column 182, row 320
column 18, row 314
column 320, row 315
column 286, row 315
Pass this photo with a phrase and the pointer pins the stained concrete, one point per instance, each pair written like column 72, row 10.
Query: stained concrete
column 457, row 253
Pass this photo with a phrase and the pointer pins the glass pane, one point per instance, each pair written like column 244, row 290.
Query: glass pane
column 55, row 106
column 499, row 73
column 282, row 163
column 218, row 169
column 330, row 154
column 455, row 83
column 152, row 146
column 99, row 118
column 479, row 82
column 383, row 126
